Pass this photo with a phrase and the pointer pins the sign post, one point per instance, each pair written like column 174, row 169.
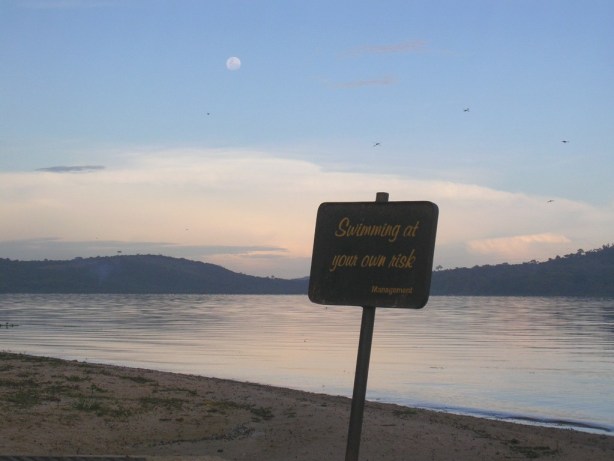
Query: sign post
column 360, row 383
column 372, row 254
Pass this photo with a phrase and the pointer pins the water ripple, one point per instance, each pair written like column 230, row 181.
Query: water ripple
column 543, row 359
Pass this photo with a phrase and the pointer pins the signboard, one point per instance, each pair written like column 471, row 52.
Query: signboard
column 373, row 254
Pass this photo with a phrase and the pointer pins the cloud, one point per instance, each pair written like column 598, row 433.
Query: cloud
column 384, row 81
column 56, row 248
column 255, row 213
column 516, row 248
column 410, row 46
column 66, row 4
column 71, row 169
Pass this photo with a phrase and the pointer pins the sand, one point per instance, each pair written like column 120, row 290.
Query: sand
column 52, row 407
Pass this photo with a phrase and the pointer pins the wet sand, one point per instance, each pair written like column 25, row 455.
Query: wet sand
column 51, row 407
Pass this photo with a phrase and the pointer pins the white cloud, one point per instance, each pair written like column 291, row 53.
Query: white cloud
column 54, row 248
column 72, row 169
column 382, row 81
column 66, row 4
column 409, row 46
column 266, row 206
column 520, row 247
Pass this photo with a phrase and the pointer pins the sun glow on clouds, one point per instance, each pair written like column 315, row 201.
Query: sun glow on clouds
column 516, row 248
column 255, row 213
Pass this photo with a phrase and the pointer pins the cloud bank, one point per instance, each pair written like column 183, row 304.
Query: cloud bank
column 255, row 213
column 71, row 169
column 384, row 81
column 409, row 46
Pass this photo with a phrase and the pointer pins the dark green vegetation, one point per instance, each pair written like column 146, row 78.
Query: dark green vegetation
column 135, row 274
column 584, row 273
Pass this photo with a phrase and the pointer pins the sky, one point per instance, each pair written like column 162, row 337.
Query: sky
column 124, row 131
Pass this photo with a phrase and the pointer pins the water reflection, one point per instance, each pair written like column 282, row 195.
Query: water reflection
column 544, row 358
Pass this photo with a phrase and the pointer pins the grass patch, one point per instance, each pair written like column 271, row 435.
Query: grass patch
column 25, row 398
column 531, row 452
column 91, row 368
column 191, row 392
column 261, row 413
column 6, row 356
column 102, row 408
column 223, row 405
column 405, row 413
column 88, row 405
column 14, row 383
column 56, row 390
column 168, row 403
column 95, row 388
column 76, row 379
column 138, row 379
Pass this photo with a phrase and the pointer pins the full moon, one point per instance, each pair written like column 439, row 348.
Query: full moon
column 233, row 63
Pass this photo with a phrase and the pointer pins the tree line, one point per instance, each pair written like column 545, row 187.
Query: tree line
column 583, row 273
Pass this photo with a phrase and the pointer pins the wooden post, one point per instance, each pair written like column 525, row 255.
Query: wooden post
column 362, row 372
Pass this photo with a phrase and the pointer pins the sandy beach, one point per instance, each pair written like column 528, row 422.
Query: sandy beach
column 52, row 407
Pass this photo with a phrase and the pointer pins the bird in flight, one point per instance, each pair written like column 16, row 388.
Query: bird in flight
column 466, row 109
column 564, row 141
column 377, row 144
column 550, row 201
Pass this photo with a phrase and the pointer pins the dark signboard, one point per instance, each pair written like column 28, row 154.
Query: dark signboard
column 373, row 254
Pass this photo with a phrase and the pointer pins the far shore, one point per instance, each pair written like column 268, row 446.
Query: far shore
column 53, row 407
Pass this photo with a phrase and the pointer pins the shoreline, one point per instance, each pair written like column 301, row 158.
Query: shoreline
column 516, row 418
column 66, row 408
column 582, row 426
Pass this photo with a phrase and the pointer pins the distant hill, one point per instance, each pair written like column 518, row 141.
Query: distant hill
column 136, row 274
column 584, row 273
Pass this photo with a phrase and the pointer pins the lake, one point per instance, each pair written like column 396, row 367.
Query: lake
column 535, row 360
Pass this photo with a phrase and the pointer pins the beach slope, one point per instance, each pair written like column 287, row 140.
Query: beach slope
column 52, row 407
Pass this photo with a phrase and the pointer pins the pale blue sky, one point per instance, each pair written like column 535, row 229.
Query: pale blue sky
column 230, row 166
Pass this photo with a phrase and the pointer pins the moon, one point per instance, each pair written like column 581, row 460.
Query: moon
column 233, row 63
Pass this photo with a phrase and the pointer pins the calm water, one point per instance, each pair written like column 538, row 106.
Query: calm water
column 543, row 360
